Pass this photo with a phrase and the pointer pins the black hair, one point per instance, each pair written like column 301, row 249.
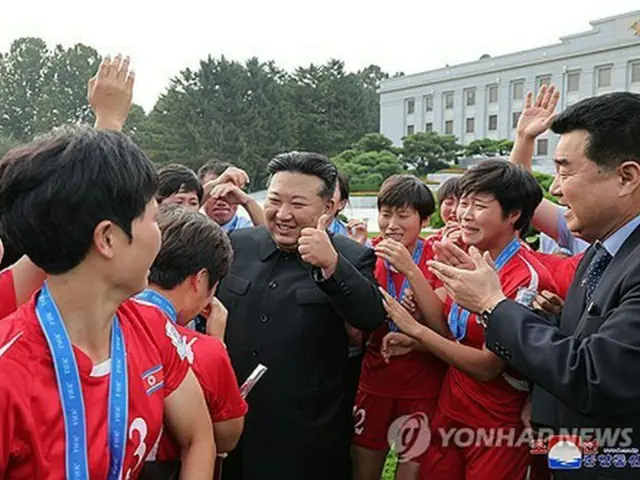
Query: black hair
column 176, row 178
column 399, row 191
column 191, row 242
column 309, row 164
column 613, row 124
column 515, row 189
column 343, row 185
column 449, row 188
column 57, row 189
column 215, row 166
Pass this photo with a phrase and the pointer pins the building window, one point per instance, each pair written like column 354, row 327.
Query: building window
column 428, row 127
column 635, row 72
column 493, row 94
column 470, row 126
column 573, row 82
column 518, row 90
column 410, row 129
column 493, row 123
column 448, row 100
column 515, row 116
column 604, row 77
column 448, row 127
column 470, row 96
column 428, row 103
column 411, row 106
column 543, row 147
column 543, row 80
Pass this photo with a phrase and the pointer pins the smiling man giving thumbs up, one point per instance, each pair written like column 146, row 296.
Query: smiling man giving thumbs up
column 316, row 248
column 291, row 288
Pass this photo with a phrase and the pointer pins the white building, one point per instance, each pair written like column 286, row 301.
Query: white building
column 483, row 99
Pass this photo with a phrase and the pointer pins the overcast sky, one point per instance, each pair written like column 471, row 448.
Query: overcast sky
column 409, row 36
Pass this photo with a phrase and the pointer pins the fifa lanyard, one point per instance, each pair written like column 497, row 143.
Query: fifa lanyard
column 391, row 286
column 70, row 391
column 160, row 301
column 458, row 317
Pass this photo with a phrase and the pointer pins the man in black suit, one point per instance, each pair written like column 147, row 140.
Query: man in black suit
column 290, row 290
column 590, row 361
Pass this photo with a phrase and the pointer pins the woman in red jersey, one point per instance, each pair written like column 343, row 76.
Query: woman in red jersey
column 479, row 396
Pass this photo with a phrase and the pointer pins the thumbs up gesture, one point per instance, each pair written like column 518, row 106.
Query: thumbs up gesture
column 316, row 248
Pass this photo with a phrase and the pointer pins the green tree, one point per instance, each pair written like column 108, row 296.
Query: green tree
column 430, row 151
column 22, row 81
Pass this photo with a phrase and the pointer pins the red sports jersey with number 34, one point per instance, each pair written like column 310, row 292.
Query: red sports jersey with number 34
column 32, row 435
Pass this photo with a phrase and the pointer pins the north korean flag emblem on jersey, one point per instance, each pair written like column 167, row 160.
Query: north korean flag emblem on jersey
column 153, row 379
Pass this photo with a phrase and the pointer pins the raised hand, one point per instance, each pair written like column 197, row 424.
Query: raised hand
column 536, row 117
column 217, row 321
column 447, row 252
column 230, row 193
column 236, row 176
column 110, row 92
column 476, row 289
column 357, row 230
column 396, row 254
column 452, row 231
column 315, row 247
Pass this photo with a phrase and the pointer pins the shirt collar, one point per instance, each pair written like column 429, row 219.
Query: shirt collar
column 615, row 241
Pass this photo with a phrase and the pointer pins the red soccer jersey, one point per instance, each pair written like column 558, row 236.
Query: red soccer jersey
column 497, row 403
column 212, row 367
column 7, row 293
column 32, row 434
column 415, row 375
column 562, row 269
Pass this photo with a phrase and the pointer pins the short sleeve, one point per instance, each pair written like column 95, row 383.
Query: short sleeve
column 176, row 354
column 7, row 294
column 218, row 381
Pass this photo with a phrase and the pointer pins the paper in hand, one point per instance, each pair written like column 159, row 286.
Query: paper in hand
column 251, row 381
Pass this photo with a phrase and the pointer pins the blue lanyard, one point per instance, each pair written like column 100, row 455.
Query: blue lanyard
column 160, row 301
column 458, row 317
column 391, row 286
column 232, row 224
column 70, row 390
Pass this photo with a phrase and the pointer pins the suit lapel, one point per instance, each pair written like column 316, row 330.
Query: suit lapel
column 592, row 313
column 576, row 296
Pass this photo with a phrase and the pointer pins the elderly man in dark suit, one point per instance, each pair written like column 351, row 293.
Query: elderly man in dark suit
column 590, row 361
column 290, row 290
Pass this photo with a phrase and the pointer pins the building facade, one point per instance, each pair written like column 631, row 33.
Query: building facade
column 484, row 99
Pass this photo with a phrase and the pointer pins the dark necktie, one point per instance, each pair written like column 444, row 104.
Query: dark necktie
column 596, row 269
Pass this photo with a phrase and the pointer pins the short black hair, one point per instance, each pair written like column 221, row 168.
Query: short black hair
column 176, row 178
column 449, row 188
column 399, row 191
column 613, row 124
column 191, row 241
column 515, row 189
column 215, row 166
column 57, row 189
column 307, row 163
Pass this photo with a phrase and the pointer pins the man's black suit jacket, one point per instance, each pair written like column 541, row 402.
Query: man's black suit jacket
column 591, row 362
column 299, row 424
